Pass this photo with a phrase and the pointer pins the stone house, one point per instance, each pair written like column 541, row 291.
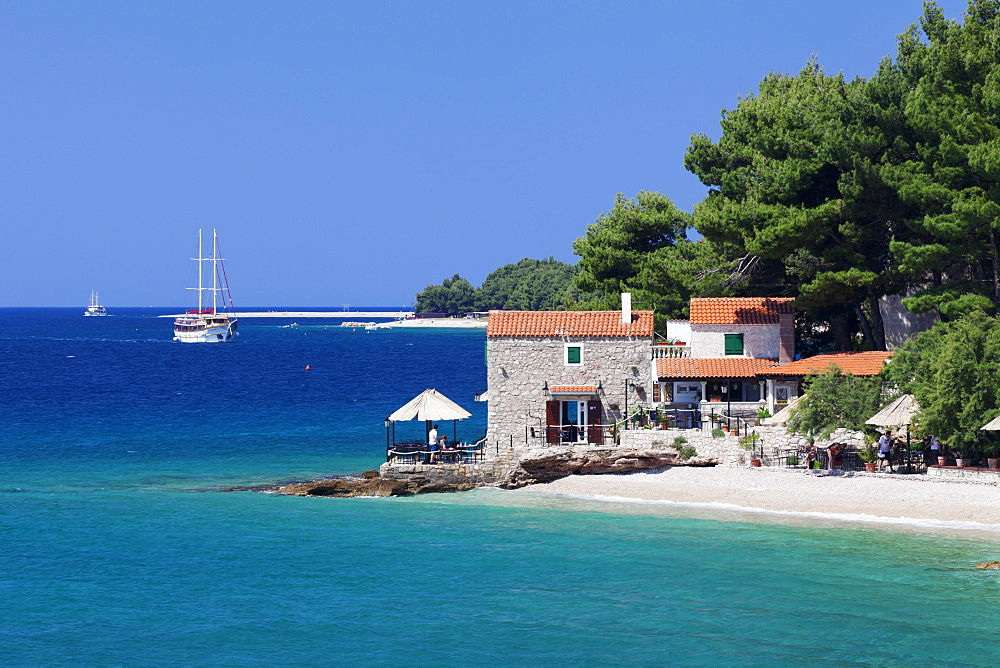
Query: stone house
column 732, row 341
column 565, row 376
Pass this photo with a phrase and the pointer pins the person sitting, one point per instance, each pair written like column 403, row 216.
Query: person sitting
column 811, row 454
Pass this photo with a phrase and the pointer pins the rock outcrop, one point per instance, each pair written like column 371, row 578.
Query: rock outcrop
column 541, row 465
column 551, row 464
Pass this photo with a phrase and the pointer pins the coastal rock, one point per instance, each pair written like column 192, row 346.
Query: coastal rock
column 372, row 484
column 550, row 465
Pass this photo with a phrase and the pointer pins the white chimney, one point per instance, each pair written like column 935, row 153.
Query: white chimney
column 626, row 308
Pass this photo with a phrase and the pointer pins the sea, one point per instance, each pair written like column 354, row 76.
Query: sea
column 119, row 547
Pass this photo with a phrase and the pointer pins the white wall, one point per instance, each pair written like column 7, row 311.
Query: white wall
column 759, row 341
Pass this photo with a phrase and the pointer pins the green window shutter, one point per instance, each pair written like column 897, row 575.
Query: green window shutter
column 734, row 344
column 573, row 355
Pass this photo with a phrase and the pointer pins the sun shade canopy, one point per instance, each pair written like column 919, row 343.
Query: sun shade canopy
column 897, row 414
column 430, row 405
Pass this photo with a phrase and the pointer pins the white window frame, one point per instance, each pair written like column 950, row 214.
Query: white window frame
column 566, row 347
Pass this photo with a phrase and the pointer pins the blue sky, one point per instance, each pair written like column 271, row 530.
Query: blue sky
column 354, row 152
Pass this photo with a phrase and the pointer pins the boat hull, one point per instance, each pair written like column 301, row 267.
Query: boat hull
column 195, row 331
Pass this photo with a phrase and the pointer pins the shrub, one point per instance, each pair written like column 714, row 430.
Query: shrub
column 689, row 452
column 679, row 441
column 717, row 432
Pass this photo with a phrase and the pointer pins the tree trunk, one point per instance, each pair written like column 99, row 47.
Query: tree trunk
column 878, row 325
column 866, row 328
column 841, row 332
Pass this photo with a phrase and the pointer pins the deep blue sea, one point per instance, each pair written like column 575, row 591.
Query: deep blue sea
column 117, row 547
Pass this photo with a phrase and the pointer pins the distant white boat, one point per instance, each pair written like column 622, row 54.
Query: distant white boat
column 209, row 325
column 95, row 307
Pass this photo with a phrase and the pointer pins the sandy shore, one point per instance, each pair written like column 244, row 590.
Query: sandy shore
column 848, row 497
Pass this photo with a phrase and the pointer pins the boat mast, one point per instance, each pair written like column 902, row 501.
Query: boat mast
column 200, row 261
column 215, row 271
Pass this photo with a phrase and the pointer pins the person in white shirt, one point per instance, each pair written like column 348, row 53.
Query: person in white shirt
column 885, row 452
column 432, row 443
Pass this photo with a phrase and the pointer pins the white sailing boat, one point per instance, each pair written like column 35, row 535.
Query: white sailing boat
column 204, row 324
column 95, row 307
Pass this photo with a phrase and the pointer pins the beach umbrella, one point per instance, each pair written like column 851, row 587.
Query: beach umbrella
column 897, row 414
column 430, row 406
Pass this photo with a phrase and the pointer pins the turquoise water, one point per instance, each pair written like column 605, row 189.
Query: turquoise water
column 117, row 548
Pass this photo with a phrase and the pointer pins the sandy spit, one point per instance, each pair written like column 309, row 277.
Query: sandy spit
column 464, row 323
column 884, row 496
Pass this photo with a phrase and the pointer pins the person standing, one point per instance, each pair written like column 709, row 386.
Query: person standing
column 935, row 449
column 885, row 452
column 432, row 443
column 832, row 452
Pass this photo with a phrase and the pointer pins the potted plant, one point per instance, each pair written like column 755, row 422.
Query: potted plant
column 762, row 414
column 990, row 451
column 869, row 453
column 749, row 442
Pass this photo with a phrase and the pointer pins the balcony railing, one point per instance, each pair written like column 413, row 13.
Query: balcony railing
column 664, row 351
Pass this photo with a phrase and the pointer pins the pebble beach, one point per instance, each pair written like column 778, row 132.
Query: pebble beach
column 892, row 498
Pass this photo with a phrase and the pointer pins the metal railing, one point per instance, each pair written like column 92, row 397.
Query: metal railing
column 415, row 452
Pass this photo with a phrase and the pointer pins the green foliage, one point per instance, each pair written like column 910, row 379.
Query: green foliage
column 795, row 179
column 953, row 371
column 679, row 441
column 526, row 285
column 717, row 432
column 530, row 285
column 836, row 400
column 689, row 452
column 792, row 460
column 455, row 296
column 868, row 452
column 950, row 84
column 640, row 247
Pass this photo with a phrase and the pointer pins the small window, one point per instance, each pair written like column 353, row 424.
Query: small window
column 574, row 355
column 734, row 344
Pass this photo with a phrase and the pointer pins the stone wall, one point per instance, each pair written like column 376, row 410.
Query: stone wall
column 726, row 450
column 759, row 341
column 518, row 368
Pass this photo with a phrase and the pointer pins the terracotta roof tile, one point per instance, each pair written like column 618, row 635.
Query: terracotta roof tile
column 568, row 323
column 739, row 310
column 712, row 367
column 573, row 389
column 867, row 363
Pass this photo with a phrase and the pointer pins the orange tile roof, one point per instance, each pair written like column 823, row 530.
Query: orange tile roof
column 712, row 367
column 739, row 310
column 568, row 323
column 573, row 389
column 867, row 363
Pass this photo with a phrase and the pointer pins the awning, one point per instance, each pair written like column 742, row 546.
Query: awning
column 690, row 368
column 573, row 389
